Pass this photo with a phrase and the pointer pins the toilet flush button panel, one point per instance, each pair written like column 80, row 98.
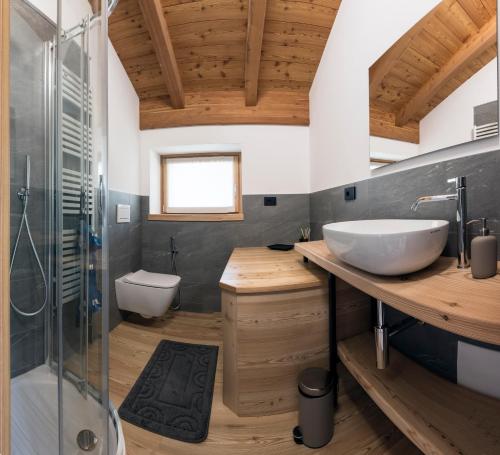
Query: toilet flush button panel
column 123, row 213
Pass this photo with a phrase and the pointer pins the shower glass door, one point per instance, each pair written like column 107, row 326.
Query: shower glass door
column 81, row 254
column 59, row 276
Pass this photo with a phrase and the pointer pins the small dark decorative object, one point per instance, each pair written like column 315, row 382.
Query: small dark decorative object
column 281, row 246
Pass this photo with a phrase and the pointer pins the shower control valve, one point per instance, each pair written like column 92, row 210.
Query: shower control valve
column 22, row 193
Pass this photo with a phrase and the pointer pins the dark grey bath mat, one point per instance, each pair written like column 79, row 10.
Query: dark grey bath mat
column 173, row 394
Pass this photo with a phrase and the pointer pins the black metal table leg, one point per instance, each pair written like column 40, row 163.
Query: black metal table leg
column 333, row 358
column 332, row 323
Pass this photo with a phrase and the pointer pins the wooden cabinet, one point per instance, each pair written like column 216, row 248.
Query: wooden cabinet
column 275, row 310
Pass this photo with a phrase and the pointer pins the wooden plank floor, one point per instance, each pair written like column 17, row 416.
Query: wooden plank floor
column 360, row 427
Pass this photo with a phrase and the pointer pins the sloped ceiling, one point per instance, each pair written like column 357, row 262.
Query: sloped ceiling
column 195, row 62
column 442, row 51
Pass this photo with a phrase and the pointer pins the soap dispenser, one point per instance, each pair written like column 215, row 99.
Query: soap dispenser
column 484, row 252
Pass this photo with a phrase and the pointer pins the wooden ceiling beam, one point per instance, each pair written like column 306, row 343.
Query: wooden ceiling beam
column 255, row 35
column 471, row 49
column 156, row 24
column 94, row 4
column 385, row 63
column 227, row 108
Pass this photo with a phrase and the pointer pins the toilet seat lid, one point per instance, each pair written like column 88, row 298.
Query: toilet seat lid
column 154, row 280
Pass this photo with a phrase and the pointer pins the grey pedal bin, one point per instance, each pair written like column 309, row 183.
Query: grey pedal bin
column 316, row 408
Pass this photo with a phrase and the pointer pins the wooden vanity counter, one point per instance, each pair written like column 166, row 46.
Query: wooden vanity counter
column 438, row 416
column 275, row 310
column 257, row 270
column 441, row 295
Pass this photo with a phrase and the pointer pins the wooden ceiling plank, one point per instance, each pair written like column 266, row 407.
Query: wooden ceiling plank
column 302, row 12
column 204, row 11
column 431, row 48
column 417, row 60
column 473, row 48
column 443, row 34
column 274, row 52
column 255, row 34
column 491, row 6
column 384, row 64
column 457, row 19
column 160, row 37
column 476, row 11
column 410, row 73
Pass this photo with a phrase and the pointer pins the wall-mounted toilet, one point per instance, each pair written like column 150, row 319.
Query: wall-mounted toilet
column 146, row 293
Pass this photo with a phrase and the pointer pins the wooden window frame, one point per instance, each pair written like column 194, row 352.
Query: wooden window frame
column 382, row 161
column 237, row 215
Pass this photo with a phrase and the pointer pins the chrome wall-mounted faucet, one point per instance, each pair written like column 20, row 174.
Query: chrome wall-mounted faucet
column 461, row 197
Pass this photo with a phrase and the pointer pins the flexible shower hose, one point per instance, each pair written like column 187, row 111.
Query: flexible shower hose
column 24, row 221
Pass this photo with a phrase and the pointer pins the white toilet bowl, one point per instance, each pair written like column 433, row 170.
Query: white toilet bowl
column 149, row 294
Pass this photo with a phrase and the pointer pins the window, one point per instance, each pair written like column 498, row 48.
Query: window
column 201, row 187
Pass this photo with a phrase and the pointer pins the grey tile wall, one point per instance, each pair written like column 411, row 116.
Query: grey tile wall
column 27, row 285
column 205, row 247
column 27, row 131
column 390, row 196
column 125, row 242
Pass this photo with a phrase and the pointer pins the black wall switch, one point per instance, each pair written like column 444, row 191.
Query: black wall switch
column 350, row 193
column 270, row 200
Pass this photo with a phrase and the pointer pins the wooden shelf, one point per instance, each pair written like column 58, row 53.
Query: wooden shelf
column 438, row 416
column 441, row 294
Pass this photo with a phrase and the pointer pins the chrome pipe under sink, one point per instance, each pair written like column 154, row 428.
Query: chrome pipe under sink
column 381, row 337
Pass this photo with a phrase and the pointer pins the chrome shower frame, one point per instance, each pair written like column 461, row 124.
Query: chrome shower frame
column 82, row 32
column 49, row 72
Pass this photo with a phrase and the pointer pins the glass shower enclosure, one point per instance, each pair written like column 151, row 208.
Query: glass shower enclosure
column 59, row 277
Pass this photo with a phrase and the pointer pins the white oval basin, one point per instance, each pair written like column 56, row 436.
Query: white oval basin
column 387, row 247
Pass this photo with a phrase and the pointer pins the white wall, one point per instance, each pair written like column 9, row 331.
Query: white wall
column 275, row 159
column 339, row 131
column 452, row 120
column 123, row 133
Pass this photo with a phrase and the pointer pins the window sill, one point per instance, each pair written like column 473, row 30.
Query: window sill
column 196, row 217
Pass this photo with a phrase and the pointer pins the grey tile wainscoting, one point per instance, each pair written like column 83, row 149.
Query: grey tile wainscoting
column 205, row 247
column 125, row 240
column 390, row 196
